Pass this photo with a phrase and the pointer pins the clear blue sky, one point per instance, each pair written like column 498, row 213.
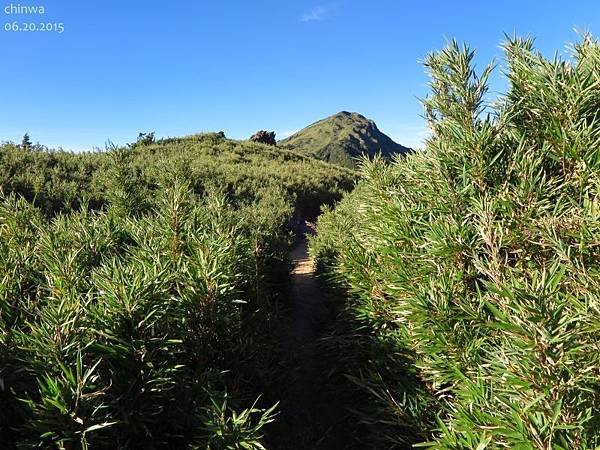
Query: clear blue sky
column 180, row 67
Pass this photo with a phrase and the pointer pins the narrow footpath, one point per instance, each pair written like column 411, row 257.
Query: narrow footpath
column 312, row 417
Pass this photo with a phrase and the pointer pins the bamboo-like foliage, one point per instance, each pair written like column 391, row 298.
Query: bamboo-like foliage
column 126, row 328
column 478, row 259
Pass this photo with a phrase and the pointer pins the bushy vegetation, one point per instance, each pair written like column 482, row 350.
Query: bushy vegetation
column 138, row 290
column 473, row 266
column 265, row 137
column 245, row 172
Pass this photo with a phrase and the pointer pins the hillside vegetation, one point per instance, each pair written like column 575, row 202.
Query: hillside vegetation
column 140, row 287
column 143, row 290
column 342, row 139
column 473, row 267
column 244, row 171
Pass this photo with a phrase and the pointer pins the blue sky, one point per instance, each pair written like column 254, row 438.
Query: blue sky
column 180, row 67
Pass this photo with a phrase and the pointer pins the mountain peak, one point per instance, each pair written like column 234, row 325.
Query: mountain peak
column 342, row 138
column 347, row 114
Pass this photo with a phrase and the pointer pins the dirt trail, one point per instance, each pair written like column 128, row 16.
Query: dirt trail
column 312, row 418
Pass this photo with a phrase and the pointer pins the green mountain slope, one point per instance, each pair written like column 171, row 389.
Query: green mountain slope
column 341, row 138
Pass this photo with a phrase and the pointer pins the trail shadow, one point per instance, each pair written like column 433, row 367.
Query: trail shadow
column 312, row 416
column 335, row 395
column 374, row 377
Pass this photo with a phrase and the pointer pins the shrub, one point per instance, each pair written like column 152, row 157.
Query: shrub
column 264, row 137
column 138, row 290
column 478, row 259
column 26, row 142
column 126, row 329
column 145, row 138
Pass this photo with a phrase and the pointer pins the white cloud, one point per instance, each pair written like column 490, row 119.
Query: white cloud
column 315, row 14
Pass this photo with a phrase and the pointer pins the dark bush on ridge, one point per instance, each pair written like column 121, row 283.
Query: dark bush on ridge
column 264, row 137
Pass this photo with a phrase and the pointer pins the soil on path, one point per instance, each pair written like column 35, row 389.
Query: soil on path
column 311, row 416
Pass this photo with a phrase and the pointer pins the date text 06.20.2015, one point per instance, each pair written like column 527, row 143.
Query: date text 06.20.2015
column 17, row 26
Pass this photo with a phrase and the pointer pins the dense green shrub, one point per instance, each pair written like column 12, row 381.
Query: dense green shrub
column 60, row 181
column 478, row 259
column 117, row 330
column 127, row 330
